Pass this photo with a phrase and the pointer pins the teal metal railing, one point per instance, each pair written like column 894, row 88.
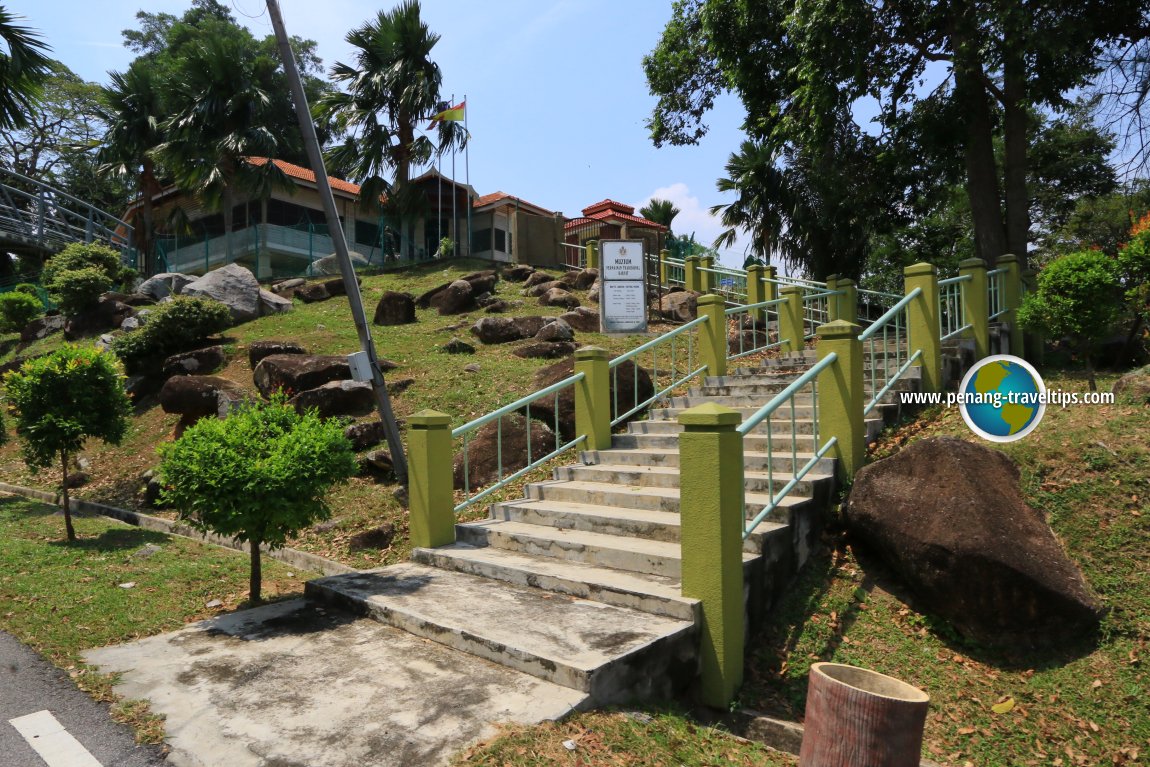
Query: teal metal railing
column 815, row 309
column 467, row 431
column 872, row 304
column 754, row 319
column 574, row 256
column 895, row 337
column 676, row 271
column 995, row 293
column 786, row 398
column 672, row 360
column 952, row 318
column 729, row 283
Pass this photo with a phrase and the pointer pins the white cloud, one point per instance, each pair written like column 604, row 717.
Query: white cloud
column 695, row 217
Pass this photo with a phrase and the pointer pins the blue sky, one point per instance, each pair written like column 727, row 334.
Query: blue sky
column 555, row 90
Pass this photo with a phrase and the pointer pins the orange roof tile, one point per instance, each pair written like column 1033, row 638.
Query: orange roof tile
column 609, row 204
column 303, row 174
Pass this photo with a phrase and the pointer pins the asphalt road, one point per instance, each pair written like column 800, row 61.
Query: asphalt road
column 29, row 684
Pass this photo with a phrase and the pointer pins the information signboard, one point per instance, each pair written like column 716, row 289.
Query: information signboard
column 622, row 287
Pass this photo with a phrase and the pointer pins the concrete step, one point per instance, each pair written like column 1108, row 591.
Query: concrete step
column 778, row 461
column 657, row 594
column 779, row 426
column 668, row 477
column 611, row 653
column 649, row 498
column 635, row 555
column 664, row 435
column 627, row 523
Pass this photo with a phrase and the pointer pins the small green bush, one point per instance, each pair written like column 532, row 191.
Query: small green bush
column 17, row 310
column 77, row 290
column 171, row 327
column 80, row 255
column 260, row 475
column 28, row 289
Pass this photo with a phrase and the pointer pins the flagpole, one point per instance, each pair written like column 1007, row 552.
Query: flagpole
column 439, row 208
column 454, row 191
column 467, row 166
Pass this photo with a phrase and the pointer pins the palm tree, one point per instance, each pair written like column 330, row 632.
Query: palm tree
column 24, row 66
column 135, row 113
column 392, row 87
column 761, row 207
column 222, row 100
column 661, row 212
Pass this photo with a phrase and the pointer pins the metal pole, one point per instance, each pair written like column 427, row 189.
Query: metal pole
column 354, row 299
column 467, row 170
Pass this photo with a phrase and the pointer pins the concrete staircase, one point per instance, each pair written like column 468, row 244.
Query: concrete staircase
column 578, row 582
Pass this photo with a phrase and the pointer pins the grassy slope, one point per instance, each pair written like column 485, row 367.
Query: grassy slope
column 370, row 527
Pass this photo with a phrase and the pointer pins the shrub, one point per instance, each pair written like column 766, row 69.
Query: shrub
column 28, row 289
column 260, row 475
column 80, row 255
column 17, row 310
column 61, row 400
column 172, row 327
column 77, row 290
column 1079, row 295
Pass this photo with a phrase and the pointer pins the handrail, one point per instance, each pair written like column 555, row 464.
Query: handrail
column 996, row 272
column 483, row 420
column 879, row 293
column 759, row 415
column 750, row 307
column 891, row 382
column 796, row 479
column 889, row 314
column 747, row 309
column 955, row 280
column 692, row 370
column 656, row 342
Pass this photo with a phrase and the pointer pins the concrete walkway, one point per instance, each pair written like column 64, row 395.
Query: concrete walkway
column 299, row 685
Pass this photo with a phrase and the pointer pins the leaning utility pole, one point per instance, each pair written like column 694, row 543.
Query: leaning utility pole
column 354, row 298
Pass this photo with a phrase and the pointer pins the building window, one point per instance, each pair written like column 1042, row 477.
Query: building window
column 501, row 240
column 481, row 240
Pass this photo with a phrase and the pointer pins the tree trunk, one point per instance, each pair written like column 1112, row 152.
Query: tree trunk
column 254, row 582
column 1015, row 125
column 981, row 172
column 860, row 718
column 64, row 494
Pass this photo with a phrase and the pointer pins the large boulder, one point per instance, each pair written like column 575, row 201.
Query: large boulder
column 559, row 297
column 336, row 398
column 295, row 373
column 535, row 291
column 582, row 318
column 109, row 313
column 556, row 331
column 530, row 325
column 948, row 516
column 537, row 278
column 495, row 445
column 365, row 434
column 1134, row 386
column 329, row 264
column 545, row 350
column 272, row 303
column 395, row 308
column 257, row 350
column 496, row 330
column 164, row 284
column 681, row 306
column 41, row 327
column 580, row 279
column 233, row 286
column 518, row 273
column 196, row 397
column 623, row 383
column 457, row 298
column 196, row 362
column 480, row 282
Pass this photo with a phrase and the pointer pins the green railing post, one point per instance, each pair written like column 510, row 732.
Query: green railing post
column 711, row 539
column 976, row 304
column 922, row 323
column 691, row 274
column 848, row 302
column 841, row 396
column 429, row 459
column 593, row 254
column 832, row 301
column 713, row 334
column 589, row 256
column 593, row 397
column 771, row 275
column 707, row 279
column 756, row 290
column 791, row 319
column 1011, row 300
column 663, row 254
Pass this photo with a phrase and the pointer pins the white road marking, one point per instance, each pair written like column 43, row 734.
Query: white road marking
column 52, row 742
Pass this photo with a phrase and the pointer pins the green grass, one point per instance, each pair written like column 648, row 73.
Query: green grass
column 621, row 739
column 63, row 598
column 1088, row 470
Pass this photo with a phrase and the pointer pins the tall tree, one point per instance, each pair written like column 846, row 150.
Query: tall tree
column 24, row 66
column 797, row 67
column 391, row 89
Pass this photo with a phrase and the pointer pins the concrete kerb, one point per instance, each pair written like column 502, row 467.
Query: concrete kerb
column 301, row 559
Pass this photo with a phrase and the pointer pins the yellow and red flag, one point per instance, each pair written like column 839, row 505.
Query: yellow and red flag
column 451, row 114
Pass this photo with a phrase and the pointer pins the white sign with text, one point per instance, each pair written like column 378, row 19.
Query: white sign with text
column 623, row 288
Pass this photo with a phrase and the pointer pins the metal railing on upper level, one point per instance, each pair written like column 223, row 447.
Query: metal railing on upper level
column 873, row 304
column 38, row 215
column 952, row 316
column 816, row 310
column 729, row 283
column 574, row 256
column 786, row 398
column 531, row 406
column 895, row 336
column 995, row 293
